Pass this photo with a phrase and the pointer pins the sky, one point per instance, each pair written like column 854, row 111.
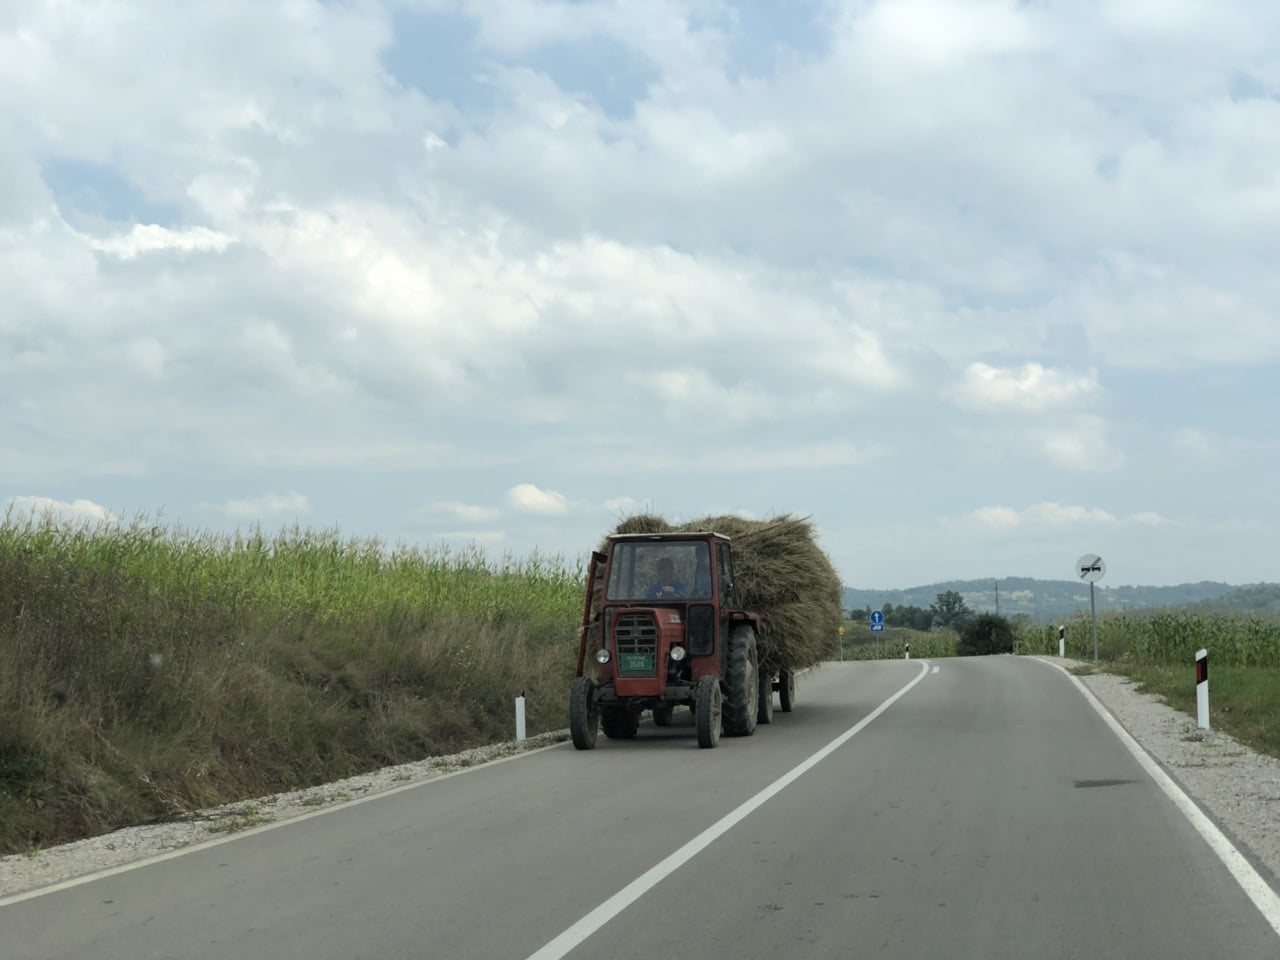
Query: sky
column 979, row 286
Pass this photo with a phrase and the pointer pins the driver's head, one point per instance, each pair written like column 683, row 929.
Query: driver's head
column 665, row 567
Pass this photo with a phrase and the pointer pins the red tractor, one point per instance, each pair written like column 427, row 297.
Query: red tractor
column 662, row 624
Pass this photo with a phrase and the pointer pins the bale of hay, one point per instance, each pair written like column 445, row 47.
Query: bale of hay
column 781, row 573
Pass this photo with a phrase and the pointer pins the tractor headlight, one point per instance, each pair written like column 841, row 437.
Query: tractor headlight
column 678, row 653
column 602, row 655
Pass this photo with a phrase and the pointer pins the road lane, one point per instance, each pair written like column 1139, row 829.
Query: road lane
column 489, row 864
column 990, row 814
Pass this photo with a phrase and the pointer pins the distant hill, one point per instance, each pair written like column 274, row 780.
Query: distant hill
column 1253, row 597
column 1055, row 599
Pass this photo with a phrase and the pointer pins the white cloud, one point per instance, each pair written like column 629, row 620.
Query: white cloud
column 529, row 499
column 463, row 511
column 940, row 35
column 1082, row 446
column 60, row 511
column 997, row 518
column 267, row 507
column 768, row 457
column 623, row 505
column 1039, row 516
column 1149, row 518
column 148, row 238
column 1029, row 388
column 1196, row 443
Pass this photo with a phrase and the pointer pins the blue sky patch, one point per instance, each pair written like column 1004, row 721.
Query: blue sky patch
column 87, row 191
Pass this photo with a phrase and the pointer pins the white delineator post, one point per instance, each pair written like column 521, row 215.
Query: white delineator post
column 1062, row 641
column 907, row 656
column 1202, row 689
column 520, row 716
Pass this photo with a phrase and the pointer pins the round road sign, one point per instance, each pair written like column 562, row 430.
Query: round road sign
column 1090, row 567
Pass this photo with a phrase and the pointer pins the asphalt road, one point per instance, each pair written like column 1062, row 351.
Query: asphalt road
column 988, row 812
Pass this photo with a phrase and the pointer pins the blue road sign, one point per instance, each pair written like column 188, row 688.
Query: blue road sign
column 877, row 628
column 877, row 621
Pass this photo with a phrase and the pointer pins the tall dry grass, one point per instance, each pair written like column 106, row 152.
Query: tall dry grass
column 149, row 670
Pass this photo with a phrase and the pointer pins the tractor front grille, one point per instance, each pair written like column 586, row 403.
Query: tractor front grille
column 635, row 639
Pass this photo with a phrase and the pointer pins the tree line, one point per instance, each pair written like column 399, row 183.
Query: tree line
column 947, row 610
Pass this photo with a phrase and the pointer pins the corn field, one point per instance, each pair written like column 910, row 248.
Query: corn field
column 1166, row 637
column 147, row 670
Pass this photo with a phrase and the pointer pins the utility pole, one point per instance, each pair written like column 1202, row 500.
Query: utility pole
column 997, row 598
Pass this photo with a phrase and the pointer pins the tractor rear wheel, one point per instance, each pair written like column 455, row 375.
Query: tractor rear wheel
column 708, row 711
column 619, row 723
column 786, row 690
column 741, row 683
column 584, row 713
column 764, row 709
column 662, row 714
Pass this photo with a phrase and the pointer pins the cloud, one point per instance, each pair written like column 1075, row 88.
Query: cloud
column 148, row 238
column 623, row 505
column 267, row 507
column 1046, row 515
column 742, row 459
column 1196, row 443
column 529, row 499
column 463, row 511
column 60, row 511
column 1151, row 519
column 1082, row 446
column 1029, row 388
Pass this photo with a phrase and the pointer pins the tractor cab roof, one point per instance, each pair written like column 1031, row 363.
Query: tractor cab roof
column 665, row 537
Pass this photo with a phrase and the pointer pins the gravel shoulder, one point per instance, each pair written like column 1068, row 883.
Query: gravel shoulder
column 1238, row 788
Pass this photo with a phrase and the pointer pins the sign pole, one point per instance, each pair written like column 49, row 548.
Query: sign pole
column 1093, row 615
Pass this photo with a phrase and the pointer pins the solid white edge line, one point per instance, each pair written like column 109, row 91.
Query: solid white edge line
column 633, row 891
column 253, row 831
column 1251, row 882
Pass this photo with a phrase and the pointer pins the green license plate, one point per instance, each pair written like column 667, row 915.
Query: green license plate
column 636, row 662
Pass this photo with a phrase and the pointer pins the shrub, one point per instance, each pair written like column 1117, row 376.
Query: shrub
column 986, row 633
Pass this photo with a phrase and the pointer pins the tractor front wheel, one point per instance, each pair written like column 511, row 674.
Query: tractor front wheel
column 584, row 713
column 787, row 690
column 707, row 711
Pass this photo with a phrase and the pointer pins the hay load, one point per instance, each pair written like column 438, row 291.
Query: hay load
column 782, row 574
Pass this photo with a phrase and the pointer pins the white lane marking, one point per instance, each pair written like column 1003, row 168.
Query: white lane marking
column 597, row 918
column 1259, row 891
column 935, row 669
column 254, row 831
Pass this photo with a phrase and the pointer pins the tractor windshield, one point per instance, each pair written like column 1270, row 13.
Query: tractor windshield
column 660, row 570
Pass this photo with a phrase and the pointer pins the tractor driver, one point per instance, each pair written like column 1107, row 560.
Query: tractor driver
column 666, row 587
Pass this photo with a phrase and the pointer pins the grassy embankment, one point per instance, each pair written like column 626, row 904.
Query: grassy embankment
column 1157, row 651
column 145, row 672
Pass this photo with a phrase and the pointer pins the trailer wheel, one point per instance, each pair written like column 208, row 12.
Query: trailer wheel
column 662, row 714
column 619, row 723
column 741, row 683
column 708, row 711
column 764, row 708
column 584, row 713
column 787, row 690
